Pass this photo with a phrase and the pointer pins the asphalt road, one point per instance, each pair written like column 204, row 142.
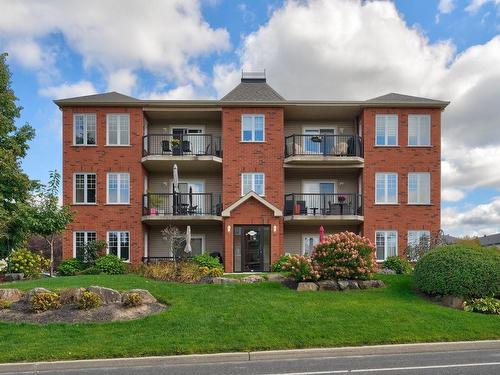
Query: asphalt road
column 477, row 362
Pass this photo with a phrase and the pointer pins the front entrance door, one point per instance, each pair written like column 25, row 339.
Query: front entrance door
column 251, row 248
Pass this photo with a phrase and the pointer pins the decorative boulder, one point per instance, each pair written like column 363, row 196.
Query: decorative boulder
column 276, row 277
column 13, row 276
column 224, row 280
column 107, row 295
column 71, row 295
column 252, row 279
column 353, row 284
column 11, row 295
column 377, row 284
column 145, row 295
column 328, row 285
column 306, row 287
column 32, row 292
column 454, row 302
column 290, row 283
column 343, row 284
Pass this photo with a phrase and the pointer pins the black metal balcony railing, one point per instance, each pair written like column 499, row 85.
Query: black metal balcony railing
column 182, row 144
column 323, row 204
column 194, row 204
column 323, row 144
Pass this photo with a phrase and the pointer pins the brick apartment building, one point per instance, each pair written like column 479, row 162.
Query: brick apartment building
column 257, row 174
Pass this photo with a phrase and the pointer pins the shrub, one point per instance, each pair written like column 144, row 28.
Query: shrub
column 29, row 263
column 301, row 268
column 459, row 271
column 3, row 265
column 44, row 301
column 89, row 300
column 216, row 272
column 488, row 305
column 188, row 272
column 398, row 265
column 205, row 260
column 165, row 271
column 345, row 255
column 93, row 250
column 70, row 267
column 4, row 304
column 277, row 266
column 110, row 265
column 133, row 300
column 90, row 271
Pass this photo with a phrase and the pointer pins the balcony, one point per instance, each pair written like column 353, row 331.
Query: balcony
column 304, row 150
column 197, row 151
column 195, row 207
column 321, row 207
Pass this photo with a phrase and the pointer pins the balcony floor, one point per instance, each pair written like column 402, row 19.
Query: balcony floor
column 321, row 219
column 184, row 219
column 160, row 163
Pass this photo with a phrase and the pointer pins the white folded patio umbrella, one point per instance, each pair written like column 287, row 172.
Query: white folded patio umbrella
column 176, row 179
column 187, row 249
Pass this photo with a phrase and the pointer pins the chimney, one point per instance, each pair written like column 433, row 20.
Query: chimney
column 253, row 77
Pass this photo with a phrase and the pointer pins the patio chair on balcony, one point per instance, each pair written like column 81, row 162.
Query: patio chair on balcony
column 165, row 147
column 186, row 147
column 302, row 207
column 288, row 207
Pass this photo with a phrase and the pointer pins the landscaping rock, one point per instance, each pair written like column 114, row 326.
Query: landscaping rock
column 454, row 302
column 11, row 295
column 377, row 284
column 365, row 284
column 27, row 297
column 224, row 280
column 205, row 280
column 328, row 285
column 107, row 295
column 71, row 295
column 353, row 284
column 343, row 284
column 276, row 277
column 290, row 283
column 145, row 295
column 252, row 279
column 13, row 276
column 306, row 287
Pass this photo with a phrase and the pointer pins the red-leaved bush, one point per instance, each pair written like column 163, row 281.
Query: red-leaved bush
column 345, row 256
column 301, row 268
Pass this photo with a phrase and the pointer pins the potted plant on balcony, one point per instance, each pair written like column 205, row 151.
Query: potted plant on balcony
column 154, row 204
column 341, row 198
column 176, row 146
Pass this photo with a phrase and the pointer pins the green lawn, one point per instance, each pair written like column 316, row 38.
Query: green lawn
column 239, row 317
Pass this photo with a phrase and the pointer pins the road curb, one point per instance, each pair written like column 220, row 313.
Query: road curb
column 250, row 356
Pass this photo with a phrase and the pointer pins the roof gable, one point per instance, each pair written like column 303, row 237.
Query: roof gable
column 104, row 98
column 253, row 91
column 400, row 98
column 246, row 197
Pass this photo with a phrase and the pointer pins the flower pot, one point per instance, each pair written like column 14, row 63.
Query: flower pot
column 153, row 211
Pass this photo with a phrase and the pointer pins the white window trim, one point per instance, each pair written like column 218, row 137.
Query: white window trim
column 304, row 182
column 118, row 190
column 408, row 189
column 386, row 232
column 253, row 183
column 118, row 131
column 189, row 127
column 203, row 241
column 119, row 250
column 304, row 235
column 430, row 130
column 85, row 189
column 194, row 182
column 253, row 127
column 86, row 236
column 385, row 184
column 386, row 136
column 84, row 144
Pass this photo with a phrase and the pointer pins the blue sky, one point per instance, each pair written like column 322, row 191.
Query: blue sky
column 205, row 44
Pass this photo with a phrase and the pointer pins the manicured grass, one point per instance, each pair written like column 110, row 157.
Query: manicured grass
column 237, row 317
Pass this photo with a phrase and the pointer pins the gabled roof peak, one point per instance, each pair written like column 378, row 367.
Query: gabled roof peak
column 107, row 97
column 394, row 97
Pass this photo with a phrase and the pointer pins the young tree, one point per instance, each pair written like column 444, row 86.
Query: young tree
column 176, row 239
column 47, row 218
column 15, row 186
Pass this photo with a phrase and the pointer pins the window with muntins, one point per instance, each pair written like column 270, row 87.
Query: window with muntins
column 386, row 186
column 118, row 188
column 386, row 243
column 119, row 244
column 118, row 129
column 386, row 130
column 252, row 182
column 419, row 237
column 252, row 128
column 419, row 130
column 85, row 188
column 419, row 188
column 84, row 129
column 82, row 238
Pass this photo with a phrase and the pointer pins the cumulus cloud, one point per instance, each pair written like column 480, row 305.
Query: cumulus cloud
column 475, row 5
column 177, row 93
column 446, row 6
column 452, row 195
column 69, row 90
column 122, row 80
column 475, row 220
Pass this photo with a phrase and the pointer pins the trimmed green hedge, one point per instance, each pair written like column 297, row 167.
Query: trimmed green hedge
column 460, row 271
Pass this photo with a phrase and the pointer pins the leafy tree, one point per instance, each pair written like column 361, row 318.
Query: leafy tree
column 47, row 218
column 15, row 186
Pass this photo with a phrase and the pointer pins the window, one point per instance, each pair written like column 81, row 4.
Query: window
column 386, row 130
column 119, row 244
column 85, row 188
column 308, row 243
column 117, row 130
column 419, row 188
column 419, row 130
column 386, row 188
column 252, row 182
column 419, row 237
column 84, row 129
column 386, row 243
column 82, row 238
column 118, row 188
column 252, row 128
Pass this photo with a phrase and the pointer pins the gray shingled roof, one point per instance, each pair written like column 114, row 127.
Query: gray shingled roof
column 253, row 92
column 107, row 97
column 400, row 98
column 492, row 239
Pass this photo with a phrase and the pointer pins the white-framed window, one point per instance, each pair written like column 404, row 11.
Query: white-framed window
column 417, row 237
column 119, row 244
column 386, row 186
column 386, row 242
column 419, row 130
column 84, row 188
column 419, row 188
column 118, row 188
column 386, row 130
column 80, row 239
column 308, row 243
column 118, row 129
column 252, row 128
column 84, row 129
column 252, row 182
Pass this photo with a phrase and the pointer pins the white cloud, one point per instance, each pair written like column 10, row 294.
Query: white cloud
column 177, row 93
column 452, row 195
column 446, row 6
column 473, row 220
column 69, row 90
column 122, row 80
column 225, row 78
column 475, row 5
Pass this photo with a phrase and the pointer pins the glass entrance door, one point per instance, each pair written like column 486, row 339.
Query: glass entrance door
column 251, row 248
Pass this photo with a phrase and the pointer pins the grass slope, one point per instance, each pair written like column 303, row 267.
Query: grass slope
column 237, row 317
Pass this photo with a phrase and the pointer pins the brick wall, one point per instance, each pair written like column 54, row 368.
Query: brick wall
column 101, row 159
column 403, row 160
